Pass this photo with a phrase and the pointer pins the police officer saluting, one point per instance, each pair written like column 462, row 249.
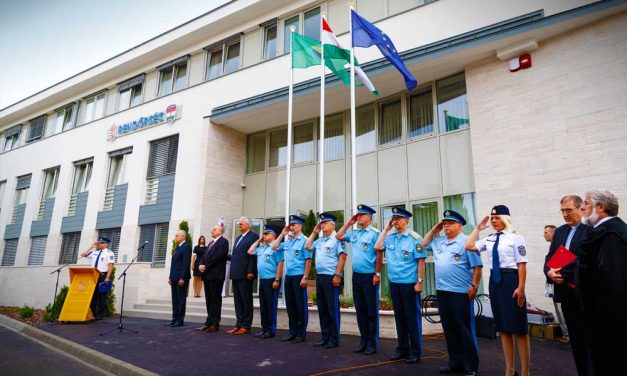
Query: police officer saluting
column 457, row 277
column 406, row 268
column 297, row 266
column 103, row 260
column 330, row 259
column 366, row 263
column 270, row 269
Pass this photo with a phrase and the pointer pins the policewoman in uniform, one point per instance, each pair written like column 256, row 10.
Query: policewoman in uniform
column 507, row 256
column 297, row 266
column 103, row 260
column 366, row 262
column 457, row 277
column 330, row 259
column 406, row 269
column 270, row 270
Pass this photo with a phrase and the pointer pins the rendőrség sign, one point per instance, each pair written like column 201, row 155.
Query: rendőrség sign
column 170, row 115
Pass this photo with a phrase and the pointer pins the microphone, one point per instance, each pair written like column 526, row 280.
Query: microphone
column 143, row 245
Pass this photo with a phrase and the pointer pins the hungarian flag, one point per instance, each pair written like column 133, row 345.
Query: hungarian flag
column 337, row 59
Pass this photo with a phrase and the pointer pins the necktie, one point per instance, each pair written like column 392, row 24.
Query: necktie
column 239, row 240
column 98, row 259
column 496, row 264
column 204, row 257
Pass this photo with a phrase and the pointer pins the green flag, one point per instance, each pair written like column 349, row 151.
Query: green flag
column 453, row 123
column 305, row 51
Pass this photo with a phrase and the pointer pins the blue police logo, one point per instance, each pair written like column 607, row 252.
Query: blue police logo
column 418, row 247
column 405, row 254
column 447, row 213
column 328, row 249
column 296, row 252
column 457, row 257
column 365, row 246
column 521, row 250
column 354, row 238
column 484, row 248
column 267, row 257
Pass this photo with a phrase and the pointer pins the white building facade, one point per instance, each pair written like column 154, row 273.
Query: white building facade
column 190, row 126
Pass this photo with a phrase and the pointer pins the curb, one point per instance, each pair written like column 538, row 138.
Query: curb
column 97, row 359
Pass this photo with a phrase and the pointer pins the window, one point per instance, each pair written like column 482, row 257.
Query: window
column 303, row 143
column 112, row 234
column 82, row 175
column 287, row 34
column 130, row 92
column 155, row 250
column 464, row 204
column 256, row 152
column 173, row 76
column 311, row 26
column 452, row 103
column 37, row 250
column 10, row 249
column 21, row 194
column 421, row 112
column 94, row 107
column 36, row 130
column 334, row 138
column 163, row 156
column 69, row 248
column 269, row 42
column 390, row 122
column 365, row 136
column 65, row 118
column 12, row 137
column 215, row 64
column 232, row 58
column 278, row 148
column 51, row 178
column 2, row 186
column 386, row 215
column 425, row 215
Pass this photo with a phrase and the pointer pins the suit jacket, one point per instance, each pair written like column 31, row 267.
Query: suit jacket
column 181, row 263
column 241, row 262
column 215, row 259
column 563, row 292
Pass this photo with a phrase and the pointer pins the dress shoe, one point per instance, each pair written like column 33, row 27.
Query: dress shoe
column 447, row 369
column 169, row 323
column 470, row 373
column 398, row 356
column 320, row 343
column 288, row 338
column 258, row 334
column 177, row 324
column 359, row 349
column 241, row 331
column 330, row 345
column 298, row 339
column 202, row 328
column 231, row 331
column 370, row 351
column 213, row 329
column 412, row 359
column 267, row 335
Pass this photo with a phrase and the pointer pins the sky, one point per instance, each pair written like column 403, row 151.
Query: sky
column 43, row 42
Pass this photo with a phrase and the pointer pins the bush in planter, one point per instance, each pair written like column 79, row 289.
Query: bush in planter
column 26, row 311
column 346, row 301
column 110, row 297
column 385, row 304
column 184, row 225
column 51, row 315
column 314, row 298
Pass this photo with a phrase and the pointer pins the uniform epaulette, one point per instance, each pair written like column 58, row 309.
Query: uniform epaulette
column 414, row 235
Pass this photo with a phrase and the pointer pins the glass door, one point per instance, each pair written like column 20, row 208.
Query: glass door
column 256, row 225
column 424, row 216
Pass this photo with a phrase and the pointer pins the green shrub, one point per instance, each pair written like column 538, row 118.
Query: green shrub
column 310, row 224
column 26, row 311
column 184, row 225
column 110, row 301
column 346, row 301
column 51, row 315
column 314, row 298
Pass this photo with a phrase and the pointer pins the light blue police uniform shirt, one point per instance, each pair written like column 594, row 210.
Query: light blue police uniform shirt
column 295, row 255
column 328, row 251
column 453, row 264
column 402, row 252
column 268, row 261
column 363, row 254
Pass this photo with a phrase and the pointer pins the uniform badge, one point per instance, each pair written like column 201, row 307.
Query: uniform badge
column 267, row 257
column 395, row 210
column 391, row 246
column 328, row 249
column 354, row 238
column 418, row 247
column 484, row 248
column 457, row 257
column 447, row 213
column 405, row 254
column 493, row 211
column 365, row 246
column 521, row 250
column 296, row 252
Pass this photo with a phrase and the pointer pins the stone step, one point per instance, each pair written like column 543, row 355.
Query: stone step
column 190, row 317
column 189, row 309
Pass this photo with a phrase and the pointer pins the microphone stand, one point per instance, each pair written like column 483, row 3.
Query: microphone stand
column 54, row 298
column 121, row 327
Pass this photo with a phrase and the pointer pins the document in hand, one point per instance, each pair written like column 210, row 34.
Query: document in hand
column 561, row 258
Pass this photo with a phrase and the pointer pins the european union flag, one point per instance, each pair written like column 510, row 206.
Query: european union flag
column 366, row 34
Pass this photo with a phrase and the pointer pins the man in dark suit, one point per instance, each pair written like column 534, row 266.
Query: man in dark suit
column 243, row 271
column 179, row 278
column 570, row 235
column 213, row 269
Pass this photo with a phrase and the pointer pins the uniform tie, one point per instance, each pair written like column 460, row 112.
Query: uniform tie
column 496, row 264
column 98, row 259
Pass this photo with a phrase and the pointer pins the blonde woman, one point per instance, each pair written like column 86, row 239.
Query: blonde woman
column 507, row 256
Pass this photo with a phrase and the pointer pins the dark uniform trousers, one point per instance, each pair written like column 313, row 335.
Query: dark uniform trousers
column 213, row 301
column 268, row 303
column 408, row 318
column 243, row 298
column 458, row 322
column 366, row 297
column 328, row 298
column 575, row 322
column 98, row 300
column 179, row 300
column 297, row 307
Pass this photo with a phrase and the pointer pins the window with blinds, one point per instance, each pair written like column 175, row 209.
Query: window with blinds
column 112, row 234
column 390, row 122
column 37, row 250
column 365, row 136
column 69, row 248
column 425, row 215
column 36, row 130
column 256, row 152
column 10, row 249
column 421, row 112
column 278, row 148
column 162, row 157
column 452, row 103
column 303, row 143
column 156, row 249
column 334, row 138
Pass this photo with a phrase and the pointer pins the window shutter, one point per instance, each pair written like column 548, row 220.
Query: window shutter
column 10, row 249
column 180, row 60
column 147, row 234
column 126, row 150
column 36, row 128
column 37, row 250
column 137, row 80
column 23, row 182
column 162, row 157
column 69, row 247
column 13, row 130
column 155, row 250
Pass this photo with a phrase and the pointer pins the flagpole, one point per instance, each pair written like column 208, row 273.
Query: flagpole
column 289, row 132
column 353, row 125
column 321, row 137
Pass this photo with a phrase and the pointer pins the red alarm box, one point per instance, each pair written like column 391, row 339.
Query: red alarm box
column 525, row 61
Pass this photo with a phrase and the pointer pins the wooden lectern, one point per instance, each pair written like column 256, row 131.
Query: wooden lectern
column 83, row 282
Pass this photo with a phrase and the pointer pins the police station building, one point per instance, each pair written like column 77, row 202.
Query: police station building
column 191, row 125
